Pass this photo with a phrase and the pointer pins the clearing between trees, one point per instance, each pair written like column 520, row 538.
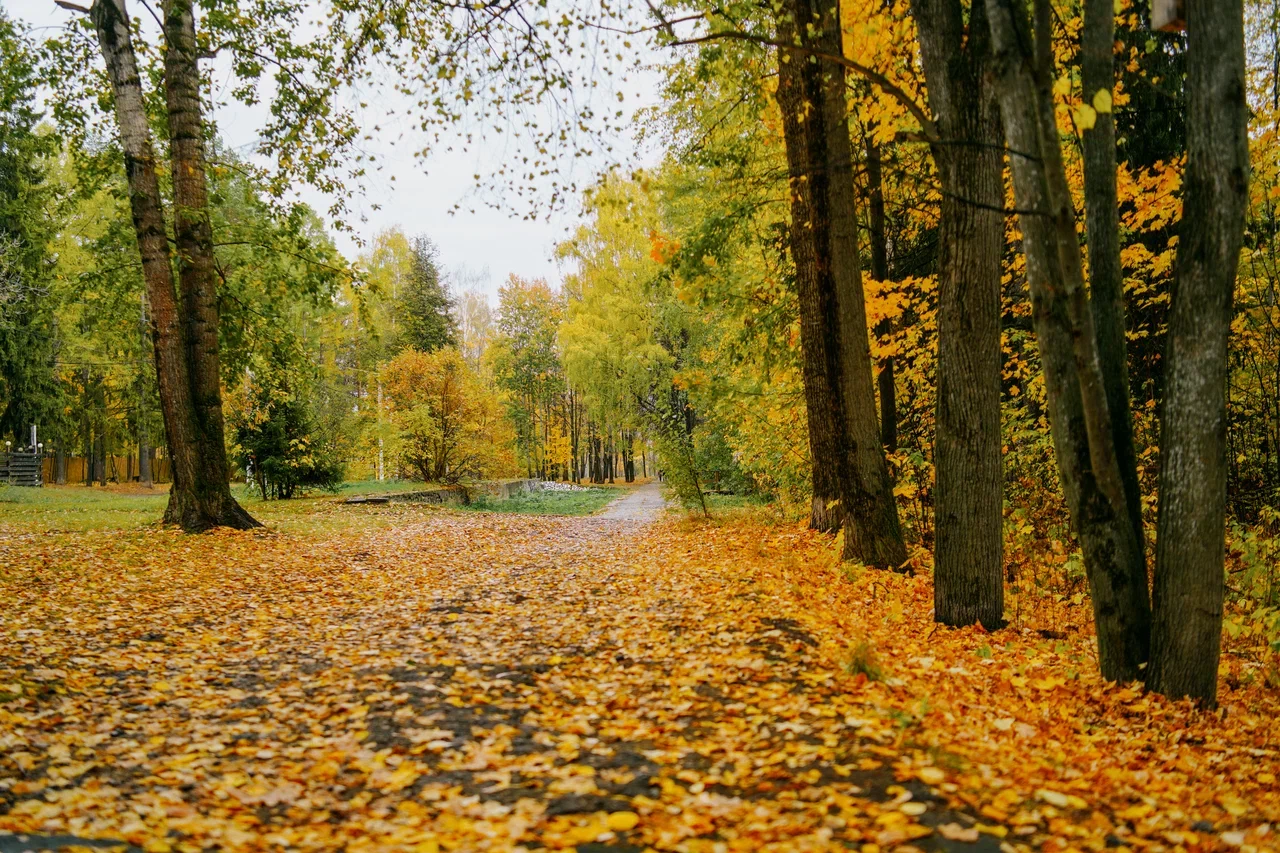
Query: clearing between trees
column 420, row 679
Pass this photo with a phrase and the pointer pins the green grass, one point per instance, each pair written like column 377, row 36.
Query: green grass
column 547, row 503
column 78, row 508
column 87, row 508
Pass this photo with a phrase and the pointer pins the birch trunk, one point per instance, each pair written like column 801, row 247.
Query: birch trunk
column 112, row 26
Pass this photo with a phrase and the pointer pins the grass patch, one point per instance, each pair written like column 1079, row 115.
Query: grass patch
column 80, row 508
column 547, row 503
column 129, row 507
column 864, row 661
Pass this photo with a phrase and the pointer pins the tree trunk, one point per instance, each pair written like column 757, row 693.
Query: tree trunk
column 1102, row 218
column 208, row 502
column 968, row 550
column 145, row 476
column 817, row 309
column 885, row 389
column 1190, row 540
column 172, row 378
column 60, row 464
column 872, row 532
column 848, row 460
column 100, row 458
column 1078, row 414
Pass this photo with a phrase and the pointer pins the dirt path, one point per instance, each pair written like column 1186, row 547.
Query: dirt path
column 477, row 683
column 459, row 682
column 643, row 504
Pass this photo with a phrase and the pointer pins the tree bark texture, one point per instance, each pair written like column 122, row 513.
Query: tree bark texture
column 145, row 476
column 1022, row 67
column 821, row 403
column 848, row 459
column 1102, row 216
column 1190, row 542
column 209, row 502
column 969, row 548
column 112, row 26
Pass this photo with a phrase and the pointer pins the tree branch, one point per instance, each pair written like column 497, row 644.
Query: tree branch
column 897, row 92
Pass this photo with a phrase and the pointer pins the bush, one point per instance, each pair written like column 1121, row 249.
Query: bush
column 449, row 427
column 277, row 441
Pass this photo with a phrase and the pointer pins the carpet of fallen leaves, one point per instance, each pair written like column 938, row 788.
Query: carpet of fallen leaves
column 425, row 680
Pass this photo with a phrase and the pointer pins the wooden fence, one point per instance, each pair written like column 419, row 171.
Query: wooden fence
column 119, row 469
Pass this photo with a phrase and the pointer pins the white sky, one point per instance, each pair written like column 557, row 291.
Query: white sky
column 425, row 190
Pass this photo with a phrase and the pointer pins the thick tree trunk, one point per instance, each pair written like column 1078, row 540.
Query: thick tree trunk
column 60, row 465
column 112, row 26
column 1078, row 414
column 848, row 460
column 817, row 323
column 208, row 502
column 968, row 552
column 1191, row 525
column 872, row 532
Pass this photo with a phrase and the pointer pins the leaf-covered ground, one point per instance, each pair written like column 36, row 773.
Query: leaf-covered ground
column 396, row 678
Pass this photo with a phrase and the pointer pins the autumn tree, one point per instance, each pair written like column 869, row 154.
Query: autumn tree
column 28, row 387
column 1190, row 546
column 851, row 479
column 1182, row 640
column 184, row 316
column 450, row 427
column 526, row 364
column 965, row 143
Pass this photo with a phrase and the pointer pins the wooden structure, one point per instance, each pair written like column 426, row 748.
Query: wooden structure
column 21, row 468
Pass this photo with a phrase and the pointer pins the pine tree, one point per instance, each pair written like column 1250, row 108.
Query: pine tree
column 424, row 307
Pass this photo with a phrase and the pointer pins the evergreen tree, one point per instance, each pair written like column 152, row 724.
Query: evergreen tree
column 425, row 308
column 28, row 389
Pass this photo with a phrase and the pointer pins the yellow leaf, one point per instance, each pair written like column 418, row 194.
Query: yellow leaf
column 956, row 832
column 1053, row 798
column 1086, row 117
column 931, row 775
column 1234, row 805
column 623, row 821
column 1102, row 100
column 913, row 808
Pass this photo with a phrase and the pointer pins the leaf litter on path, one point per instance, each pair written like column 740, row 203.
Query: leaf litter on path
column 485, row 682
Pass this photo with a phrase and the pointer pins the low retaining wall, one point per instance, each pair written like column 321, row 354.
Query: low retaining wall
column 451, row 495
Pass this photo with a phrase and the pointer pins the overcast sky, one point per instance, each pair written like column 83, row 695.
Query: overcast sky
column 425, row 190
